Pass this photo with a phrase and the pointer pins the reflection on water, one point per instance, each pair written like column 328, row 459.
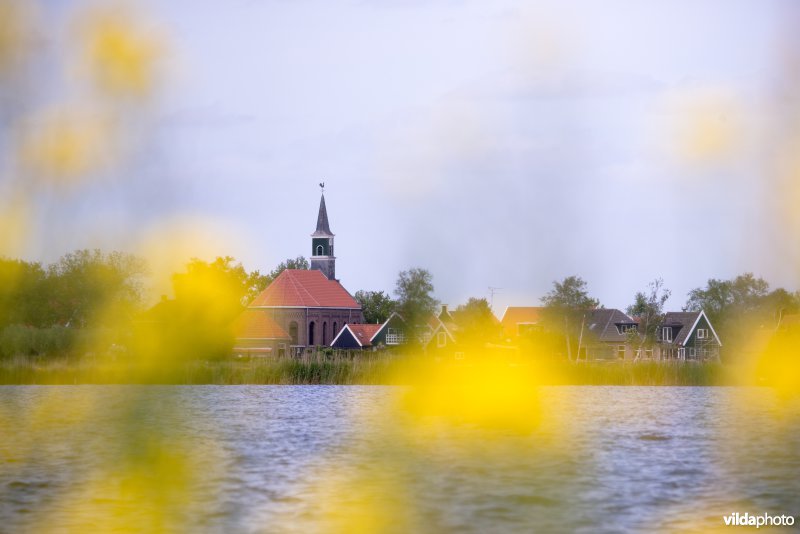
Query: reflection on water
column 337, row 458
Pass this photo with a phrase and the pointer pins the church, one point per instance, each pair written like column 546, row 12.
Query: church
column 300, row 308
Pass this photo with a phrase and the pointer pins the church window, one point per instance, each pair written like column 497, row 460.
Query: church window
column 325, row 333
column 320, row 250
column 311, row 333
column 293, row 332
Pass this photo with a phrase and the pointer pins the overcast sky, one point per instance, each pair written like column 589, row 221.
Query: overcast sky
column 501, row 143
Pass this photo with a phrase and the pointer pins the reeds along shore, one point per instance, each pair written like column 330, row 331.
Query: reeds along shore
column 371, row 369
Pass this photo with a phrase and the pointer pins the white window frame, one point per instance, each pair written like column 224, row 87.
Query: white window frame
column 692, row 352
column 441, row 339
column 702, row 333
column 621, row 349
column 681, row 353
column 666, row 334
column 395, row 336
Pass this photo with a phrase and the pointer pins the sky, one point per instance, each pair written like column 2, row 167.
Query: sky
column 497, row 144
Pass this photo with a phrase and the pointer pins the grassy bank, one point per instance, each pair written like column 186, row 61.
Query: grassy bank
column 372, row 369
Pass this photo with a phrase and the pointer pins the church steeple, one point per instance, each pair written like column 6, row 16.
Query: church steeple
column 323, row 228
column 322, row 257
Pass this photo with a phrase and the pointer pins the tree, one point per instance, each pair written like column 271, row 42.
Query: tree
column 721, row 299
column 736, row 307
column 91, row 287
column 300, row 262
column 22, row 294
column 649, row 309
column 565, row 306
column 570, row 294
column 377, row 306
column 196, row 323
column 415, row 300
column 477, row 324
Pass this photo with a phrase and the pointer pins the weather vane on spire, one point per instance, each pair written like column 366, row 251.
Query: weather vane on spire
column 322, row 186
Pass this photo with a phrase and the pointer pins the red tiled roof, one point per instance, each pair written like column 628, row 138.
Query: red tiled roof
column 364, row 332
column 307, row 289
column 515, row 315
column 257, row 324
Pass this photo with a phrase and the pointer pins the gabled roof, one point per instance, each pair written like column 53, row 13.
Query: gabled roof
column 682, row 321
column 361, row 332
column 386, row 323
column 257, row 324
column 364, row 332
column 515, row 315
column 323, row 228
column 602, row 324
column 301, row 288
column 686, row 322
column 437, row 325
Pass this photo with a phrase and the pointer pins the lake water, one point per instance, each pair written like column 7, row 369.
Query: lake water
column 344, row 458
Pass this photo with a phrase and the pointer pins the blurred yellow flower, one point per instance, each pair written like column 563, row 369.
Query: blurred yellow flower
column 120, row 55
column 63, row 145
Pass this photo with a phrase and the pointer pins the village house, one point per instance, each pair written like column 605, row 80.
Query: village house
column 687, row 336
column 439, row 338
column 521, row 321
column 300, row 308
column 390, row 333
column 606, row 334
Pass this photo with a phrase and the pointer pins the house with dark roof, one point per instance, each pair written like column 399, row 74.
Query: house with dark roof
column 439, row 338
column 390, row 333
column 309, row 306
column 356, row 336
column 688, row 336
column 606, row 334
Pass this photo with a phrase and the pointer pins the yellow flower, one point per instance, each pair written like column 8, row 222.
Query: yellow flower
column 121, row 56
column 63, row 145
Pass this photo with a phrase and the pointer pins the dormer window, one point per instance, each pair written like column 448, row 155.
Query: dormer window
column 625, row 328
column 666, row 334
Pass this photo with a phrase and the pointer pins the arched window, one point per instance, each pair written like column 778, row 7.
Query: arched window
column 320, row 250
column 293, row 332
column 335, row 329
column 325, row 333
column 311, row 333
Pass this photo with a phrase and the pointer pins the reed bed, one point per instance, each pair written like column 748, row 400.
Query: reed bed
column 346, row 369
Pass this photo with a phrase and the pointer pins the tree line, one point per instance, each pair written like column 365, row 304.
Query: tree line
column 51, row 309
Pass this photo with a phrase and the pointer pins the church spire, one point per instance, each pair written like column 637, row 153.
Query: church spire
column 322, row 257
column 323, row 228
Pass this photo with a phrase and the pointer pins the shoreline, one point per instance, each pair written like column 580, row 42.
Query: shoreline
column 367, row 371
